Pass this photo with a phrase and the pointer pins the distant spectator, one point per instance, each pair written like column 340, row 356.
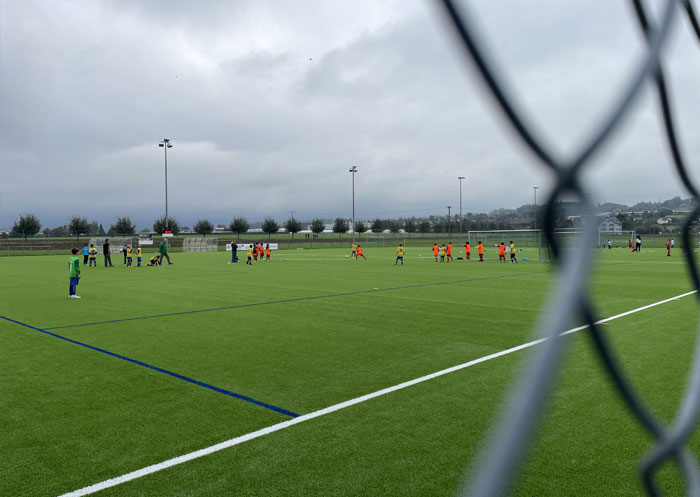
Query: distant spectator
column 638, row 244
column 234, row 251
column 105, row 252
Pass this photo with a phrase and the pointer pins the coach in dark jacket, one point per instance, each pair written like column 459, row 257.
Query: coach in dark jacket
column 105, row 252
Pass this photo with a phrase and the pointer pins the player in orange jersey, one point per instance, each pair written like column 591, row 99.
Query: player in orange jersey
column 448, row 253
column 480, row 250
column 502, row 252
column 359, row 252
column 436, row 251
column 467, row 250
column 268, row 251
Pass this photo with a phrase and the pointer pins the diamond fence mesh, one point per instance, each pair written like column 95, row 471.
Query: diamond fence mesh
column 499, row 462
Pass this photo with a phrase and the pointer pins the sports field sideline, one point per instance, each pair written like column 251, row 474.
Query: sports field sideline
column 159, row 362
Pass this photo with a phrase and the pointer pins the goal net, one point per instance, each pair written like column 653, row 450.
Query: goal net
column 115, row 244
column 528, row 243
column 203, row 244
column 618, row 239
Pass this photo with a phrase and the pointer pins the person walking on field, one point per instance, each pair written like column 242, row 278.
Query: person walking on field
column 359, row 252
column 668, row 248
column 467, row 250
column 86, row 254
column 436, row 251
column 448, row 252
column 105, row 252
column 512, row 253
column 638, row 244
column 163, row 251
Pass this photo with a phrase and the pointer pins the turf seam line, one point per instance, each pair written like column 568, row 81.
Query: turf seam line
column 295, row 299
column 159, row 370
column 154, row 468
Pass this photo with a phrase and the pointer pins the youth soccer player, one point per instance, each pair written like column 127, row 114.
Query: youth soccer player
column 138, row 256
column 448, row 252
column 467, row 250
column 86, row 254
column 268, row 251
column 502, row 252
column 436, row 251
column 93, row 255
column 512, row 253
column 250, row 255
column 668, row 247
column 399, row 254
column 359, row 252
column 255, row 252
column 480, row 250
column 73, row 274
column 128, row 256
column 354, row 250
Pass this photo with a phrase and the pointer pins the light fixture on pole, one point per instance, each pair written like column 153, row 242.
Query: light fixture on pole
column 353, row 170
column 166, row 145
column 460, row 178
column 535, row 188
column 449, row 228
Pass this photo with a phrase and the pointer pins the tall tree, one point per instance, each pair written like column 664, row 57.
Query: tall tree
column 78, row 226
column 160, row 224
column 101, row 230
column 393, row 225
column 377, row 226
column 409, row 226
column 437, row 227
column 123, row 227
column 293, row 226
column 270, row 226
column 340, row 226
column 239, row 225
column 424, row 226
column 317, row 226
column 360, row 227
column 26, row 225
column 203, row 227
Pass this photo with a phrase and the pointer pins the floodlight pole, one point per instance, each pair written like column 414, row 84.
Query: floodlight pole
column 449, row 230
column 166, row 145
column 535, row 188
column 353, row 170
column 460, row 178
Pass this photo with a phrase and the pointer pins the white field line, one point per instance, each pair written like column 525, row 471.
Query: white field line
column 154, row 468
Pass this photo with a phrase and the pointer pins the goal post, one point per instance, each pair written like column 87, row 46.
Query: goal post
column 618, row 239
column 528, row 243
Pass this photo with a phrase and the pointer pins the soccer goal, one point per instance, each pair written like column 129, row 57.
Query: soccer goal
column 203, row 244
column 528, row 243
column 115, row 244
column 618, row 239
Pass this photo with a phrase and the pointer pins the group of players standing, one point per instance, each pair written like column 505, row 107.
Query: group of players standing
column 445, row 252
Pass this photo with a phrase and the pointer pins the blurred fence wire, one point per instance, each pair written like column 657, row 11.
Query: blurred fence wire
column 497, row 468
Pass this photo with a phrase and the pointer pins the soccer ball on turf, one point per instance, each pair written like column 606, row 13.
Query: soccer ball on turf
column 346, row 256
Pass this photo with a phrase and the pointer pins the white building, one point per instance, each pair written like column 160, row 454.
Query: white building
column 610, row 225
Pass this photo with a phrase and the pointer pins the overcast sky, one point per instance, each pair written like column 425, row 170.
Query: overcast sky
column 268, row 103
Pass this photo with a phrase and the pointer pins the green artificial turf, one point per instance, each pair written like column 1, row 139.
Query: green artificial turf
column 307, row 330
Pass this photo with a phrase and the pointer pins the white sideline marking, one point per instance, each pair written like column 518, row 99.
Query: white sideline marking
column 154, row 468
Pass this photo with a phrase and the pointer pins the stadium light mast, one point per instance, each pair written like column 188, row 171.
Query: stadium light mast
column 460, row 178
column 165, row 144
column 353, row 170
column 535, row 188
column 449, row 228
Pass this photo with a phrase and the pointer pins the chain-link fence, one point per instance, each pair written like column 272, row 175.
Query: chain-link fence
column 498, row 465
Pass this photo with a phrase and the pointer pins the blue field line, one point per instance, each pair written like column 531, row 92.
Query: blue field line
column 295, row 299
column 160, row 370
